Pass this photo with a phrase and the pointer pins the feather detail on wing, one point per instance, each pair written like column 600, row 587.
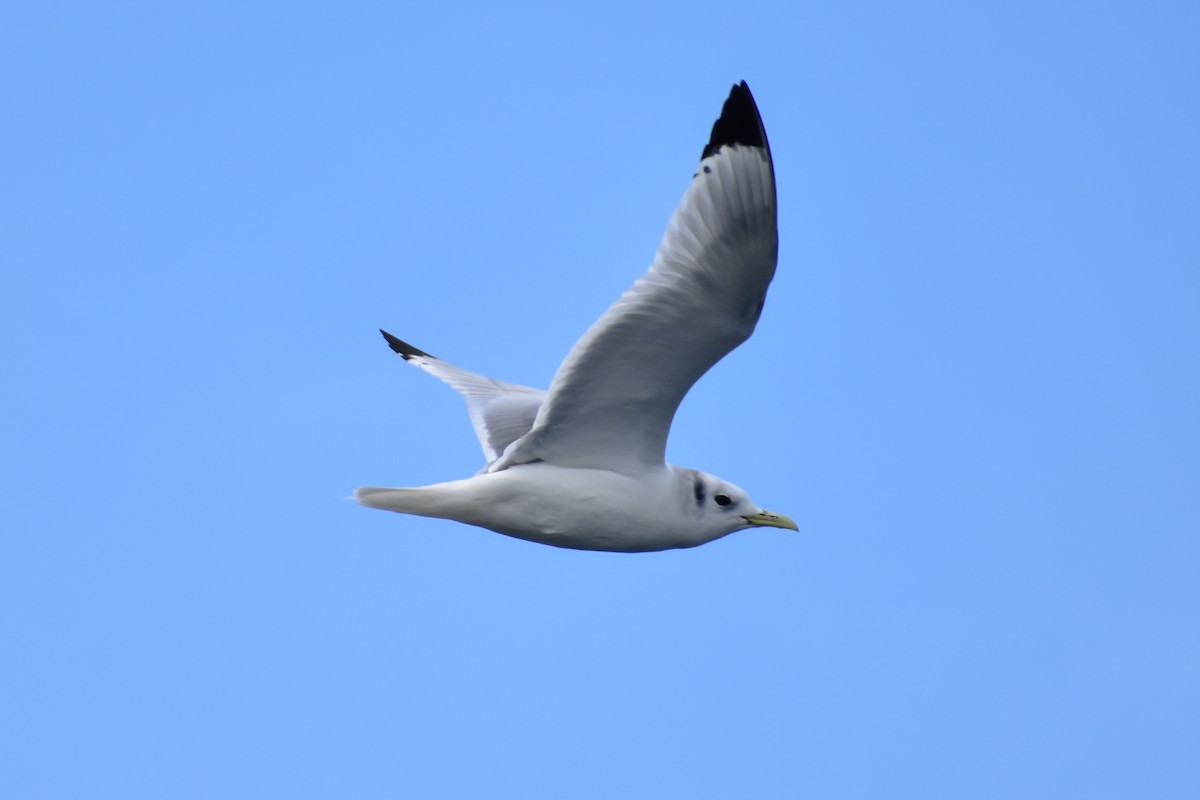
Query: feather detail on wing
column 611, row 403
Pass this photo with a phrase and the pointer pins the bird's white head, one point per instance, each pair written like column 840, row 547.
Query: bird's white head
column 717, row 507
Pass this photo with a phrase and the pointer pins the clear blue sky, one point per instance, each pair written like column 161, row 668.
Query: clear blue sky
column 975, row 387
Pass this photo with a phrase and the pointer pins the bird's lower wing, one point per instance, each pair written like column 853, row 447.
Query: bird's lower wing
column 500, row 412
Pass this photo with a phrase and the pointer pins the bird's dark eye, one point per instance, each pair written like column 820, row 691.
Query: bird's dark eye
column 722, row 499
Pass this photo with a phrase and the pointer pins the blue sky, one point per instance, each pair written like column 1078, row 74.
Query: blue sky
column 974, row 387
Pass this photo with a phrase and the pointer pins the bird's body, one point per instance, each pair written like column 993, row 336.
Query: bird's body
column 563, row 506
column 582, row 465
column 660, row 509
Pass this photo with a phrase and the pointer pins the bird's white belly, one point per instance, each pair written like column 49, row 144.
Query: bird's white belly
column 584, row 509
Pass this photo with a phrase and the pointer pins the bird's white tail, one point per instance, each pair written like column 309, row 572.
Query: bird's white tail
column 405, row 501
column 444, row 500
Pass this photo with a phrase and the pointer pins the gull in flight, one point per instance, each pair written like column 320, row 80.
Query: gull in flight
column 582, row 465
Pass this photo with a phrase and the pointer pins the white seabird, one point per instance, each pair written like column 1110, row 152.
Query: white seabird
column 582, row 465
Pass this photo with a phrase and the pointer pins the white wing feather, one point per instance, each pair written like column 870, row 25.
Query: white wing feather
column 611, row 403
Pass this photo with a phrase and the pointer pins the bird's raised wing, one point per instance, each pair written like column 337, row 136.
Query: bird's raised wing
column 611, row 403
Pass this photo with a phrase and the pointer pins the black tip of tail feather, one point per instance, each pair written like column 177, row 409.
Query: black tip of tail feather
column 739, row 123
column 403, row 348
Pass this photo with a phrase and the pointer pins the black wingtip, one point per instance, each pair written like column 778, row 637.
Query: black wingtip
column 403, row 348
column 739, row 123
